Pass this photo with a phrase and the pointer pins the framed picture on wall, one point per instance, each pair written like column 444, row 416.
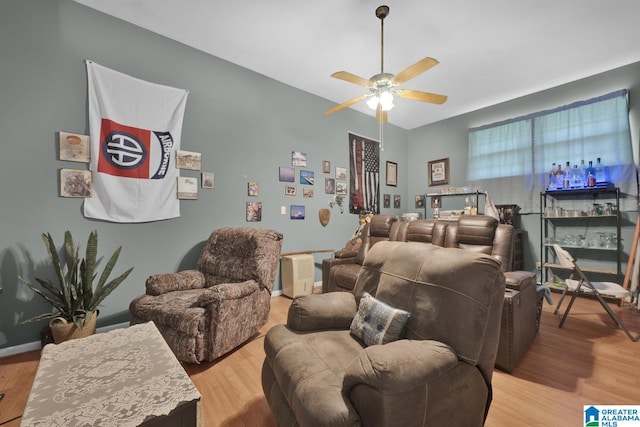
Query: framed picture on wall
column 386, row 201
column 287, row 174
column 290, row 190
column 329, row 186
column 326, row 166
column 297, row 212
column 298, row 158
column 188, row 160
column 392, row 174
column 74, row 147
column 438, row 171
column 254, row 211
column 75, row 183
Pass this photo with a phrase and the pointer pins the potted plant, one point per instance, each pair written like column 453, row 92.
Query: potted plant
column 73, row 298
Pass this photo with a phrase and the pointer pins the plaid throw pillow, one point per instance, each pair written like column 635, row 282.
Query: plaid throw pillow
column 377, row 322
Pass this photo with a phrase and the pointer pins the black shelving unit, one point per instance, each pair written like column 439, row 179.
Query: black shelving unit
column 551, row 223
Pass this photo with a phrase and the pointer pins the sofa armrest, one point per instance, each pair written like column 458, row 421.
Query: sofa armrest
column 341, row 254
column 227, row 291
column 334, row 310
column 327, row 264
column 520, row 280
column 400, row 366
column 158, row 284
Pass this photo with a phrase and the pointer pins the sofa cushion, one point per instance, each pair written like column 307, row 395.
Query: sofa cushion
column 309, row 369
column 177, row 310
column 377, row 322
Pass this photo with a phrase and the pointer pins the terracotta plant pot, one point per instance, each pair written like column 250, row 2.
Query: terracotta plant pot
column 63, row 330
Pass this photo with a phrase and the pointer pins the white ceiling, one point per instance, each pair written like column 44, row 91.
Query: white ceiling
column 490, row 51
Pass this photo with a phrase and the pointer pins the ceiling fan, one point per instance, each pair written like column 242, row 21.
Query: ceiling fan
column 384, row 86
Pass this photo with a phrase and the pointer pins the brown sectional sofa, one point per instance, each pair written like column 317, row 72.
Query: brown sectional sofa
column 318, row 373
column 477, row 233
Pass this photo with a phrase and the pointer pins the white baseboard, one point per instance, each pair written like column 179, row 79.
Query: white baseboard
column 30, row 346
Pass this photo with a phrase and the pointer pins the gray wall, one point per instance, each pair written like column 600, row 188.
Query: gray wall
column 244, row 124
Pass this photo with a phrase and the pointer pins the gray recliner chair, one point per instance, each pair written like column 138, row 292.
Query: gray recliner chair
column 206, row 312
column 318, row 371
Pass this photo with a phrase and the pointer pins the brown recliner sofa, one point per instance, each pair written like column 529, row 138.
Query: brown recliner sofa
column 316, row 373
column 207, row 312
column 340, row 272
column 482, row 233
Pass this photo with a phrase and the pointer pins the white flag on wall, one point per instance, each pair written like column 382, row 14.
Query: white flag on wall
column 135, row 129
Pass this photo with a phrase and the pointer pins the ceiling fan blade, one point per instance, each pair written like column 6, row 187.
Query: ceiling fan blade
column 382, row 116
column 413, row 70
column 351, row 78
column 345, row 104
column 416, row 95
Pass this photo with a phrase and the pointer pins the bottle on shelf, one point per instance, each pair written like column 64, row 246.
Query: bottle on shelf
column 474, row 208
column 591, row 175
column 566, row 176
column 600, row 173
column 559, row 176
column 583, row 172
column 467, row 206
column 576, row 178
column 552, row 177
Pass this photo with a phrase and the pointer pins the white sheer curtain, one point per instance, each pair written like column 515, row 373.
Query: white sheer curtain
column 512, row 159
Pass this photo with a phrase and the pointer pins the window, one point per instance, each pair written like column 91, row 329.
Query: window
column 512, row 159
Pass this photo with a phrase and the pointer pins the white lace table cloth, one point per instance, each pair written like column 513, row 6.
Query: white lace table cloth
column 119, row 378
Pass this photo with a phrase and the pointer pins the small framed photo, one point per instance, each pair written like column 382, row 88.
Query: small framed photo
column 306, row 177
column 298, row 159
column 287, row 174
column 187, row 188
column 207, row 179
column 254, row 211
column 392, row 174
column 290, row 190
column 396, row 201
column 386, row 201
column 326, row 166
column 75, row 183
column 297, row 212
column 307, row 192
column 438, row 171
column 74, row 147
column 341, row 173
column 341, row 188
column 329, row 186
column 419, row 201
column 188, row 160
column 252, row 189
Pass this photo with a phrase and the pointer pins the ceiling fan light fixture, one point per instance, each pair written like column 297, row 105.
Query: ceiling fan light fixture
column 372, row 102
column 384, row 86
column 386, row 101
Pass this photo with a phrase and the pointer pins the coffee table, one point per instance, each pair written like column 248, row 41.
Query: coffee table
column 125, row 377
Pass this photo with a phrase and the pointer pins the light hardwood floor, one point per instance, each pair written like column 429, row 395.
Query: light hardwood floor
column 588, row 361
